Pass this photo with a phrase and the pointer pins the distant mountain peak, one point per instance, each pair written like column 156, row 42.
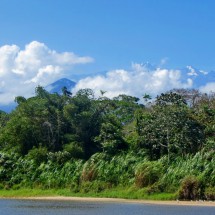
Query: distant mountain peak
column 143, row 67
column 57, row 86
column 148, row 66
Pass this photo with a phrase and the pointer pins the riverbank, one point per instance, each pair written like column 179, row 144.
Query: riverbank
column 118, row 193
column 67, row 195
column 120, row 200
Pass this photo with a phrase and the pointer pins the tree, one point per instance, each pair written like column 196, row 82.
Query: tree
column 66, row 92
column 147, row 97
column 124, row 107
column 204, row 113
column 110, row 136
column 169, row 128
column 83, row 115
column 191, row 96
column 36, row 121
column 170, row 99
column 20, row 99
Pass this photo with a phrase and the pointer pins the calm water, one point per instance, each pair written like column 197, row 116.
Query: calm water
column 36, row 207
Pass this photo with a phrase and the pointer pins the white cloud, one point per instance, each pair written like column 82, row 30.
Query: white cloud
column 136, row 82
column 208, row 88
column 44, row 73
column 7, row 58
column 192, row 71
column 21, row 70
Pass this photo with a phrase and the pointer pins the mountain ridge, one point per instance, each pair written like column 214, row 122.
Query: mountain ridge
column 56, row 87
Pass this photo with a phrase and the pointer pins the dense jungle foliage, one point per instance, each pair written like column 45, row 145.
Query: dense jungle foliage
column 85, row 143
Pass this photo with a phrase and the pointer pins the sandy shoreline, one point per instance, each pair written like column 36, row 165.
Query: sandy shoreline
column 118, row 200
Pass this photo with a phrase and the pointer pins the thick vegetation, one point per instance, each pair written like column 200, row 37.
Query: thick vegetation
column 88, row 144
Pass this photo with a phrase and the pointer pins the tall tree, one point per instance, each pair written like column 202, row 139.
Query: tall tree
column 169, row 128
column 110, row 137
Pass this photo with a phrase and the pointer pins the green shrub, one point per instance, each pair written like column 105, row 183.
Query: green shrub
column 75, row 150
column 190, row 188
column 210, row 193
column 7, row 186
column 16, row 186
column 74, row 187
column 1, row 186
column 59, row 157
column 148, row 173
column 39, row 155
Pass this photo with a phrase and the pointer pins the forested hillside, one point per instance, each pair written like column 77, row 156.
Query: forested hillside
column 85, row 143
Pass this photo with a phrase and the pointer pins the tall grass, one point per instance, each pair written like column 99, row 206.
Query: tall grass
column 127, row 175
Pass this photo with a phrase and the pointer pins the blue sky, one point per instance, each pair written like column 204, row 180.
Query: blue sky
column 111, row 34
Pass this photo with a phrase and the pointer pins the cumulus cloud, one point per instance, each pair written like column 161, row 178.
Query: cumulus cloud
column 138, row 81
column 21, row 70
column 208, row 88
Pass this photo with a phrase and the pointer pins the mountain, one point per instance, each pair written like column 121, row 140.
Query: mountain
column 57, row 86
column 148, row 67
column 8, row 108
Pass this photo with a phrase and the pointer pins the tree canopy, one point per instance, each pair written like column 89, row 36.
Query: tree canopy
column 51, row 133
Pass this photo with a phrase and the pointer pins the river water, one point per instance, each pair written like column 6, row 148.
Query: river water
column 44, row 207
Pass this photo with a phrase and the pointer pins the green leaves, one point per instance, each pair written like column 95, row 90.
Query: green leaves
column 54, row 141
column 110, row 136
column 170, row 99
column 168, row 128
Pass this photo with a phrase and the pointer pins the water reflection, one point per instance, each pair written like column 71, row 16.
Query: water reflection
column 39, row 207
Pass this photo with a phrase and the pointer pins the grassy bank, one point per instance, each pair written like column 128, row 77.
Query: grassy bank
column 111, row 193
